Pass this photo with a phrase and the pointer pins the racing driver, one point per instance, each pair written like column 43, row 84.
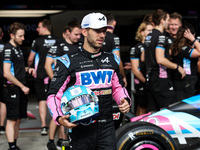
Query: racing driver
column 97, row 70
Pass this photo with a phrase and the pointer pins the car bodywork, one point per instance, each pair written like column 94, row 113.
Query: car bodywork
column 181, row 120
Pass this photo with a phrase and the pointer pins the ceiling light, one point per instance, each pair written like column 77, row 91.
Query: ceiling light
column 27, row 13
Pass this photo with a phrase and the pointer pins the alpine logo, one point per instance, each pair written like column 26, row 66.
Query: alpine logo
column 105, row 60
column 103, row 18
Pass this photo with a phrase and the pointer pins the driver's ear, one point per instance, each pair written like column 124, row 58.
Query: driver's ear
column 84, row 32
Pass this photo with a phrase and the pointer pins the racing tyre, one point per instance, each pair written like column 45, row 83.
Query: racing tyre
column 143, row 136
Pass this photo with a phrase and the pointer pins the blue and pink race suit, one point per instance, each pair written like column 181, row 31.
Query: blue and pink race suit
column 100, row 73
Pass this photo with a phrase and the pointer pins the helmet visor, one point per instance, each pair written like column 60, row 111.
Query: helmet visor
column 80, row 100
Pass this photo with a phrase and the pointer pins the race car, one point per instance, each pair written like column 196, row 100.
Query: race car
column 172, row 128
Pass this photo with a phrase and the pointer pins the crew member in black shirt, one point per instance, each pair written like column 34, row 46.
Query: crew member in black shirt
column 15, row 89
column 138, row 67
column 40, row 47
column 160, row 92
column 71, row 35
column 70, row 43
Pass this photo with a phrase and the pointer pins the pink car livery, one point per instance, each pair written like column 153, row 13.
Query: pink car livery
column 175, row 127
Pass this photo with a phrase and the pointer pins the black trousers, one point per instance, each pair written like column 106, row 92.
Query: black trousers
column 96, row 136
column 160, row 93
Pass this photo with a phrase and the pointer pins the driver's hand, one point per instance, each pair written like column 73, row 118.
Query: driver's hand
column 63, row 121
column 124, row 107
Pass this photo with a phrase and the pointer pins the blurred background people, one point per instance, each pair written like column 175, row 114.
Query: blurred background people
column 138, row 67
column 40, row 47
column 70, row 43
column 160, row 88
column 185, row 52
column 2, row 80
column 15, row 88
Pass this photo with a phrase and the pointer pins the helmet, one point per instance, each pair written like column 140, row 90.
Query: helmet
column 80, row 103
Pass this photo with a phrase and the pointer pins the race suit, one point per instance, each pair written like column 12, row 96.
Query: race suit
column 100, row 73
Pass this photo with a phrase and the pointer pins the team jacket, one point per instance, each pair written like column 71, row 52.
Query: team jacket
column 99, row 72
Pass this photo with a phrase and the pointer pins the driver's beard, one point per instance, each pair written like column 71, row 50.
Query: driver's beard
column 92, row 44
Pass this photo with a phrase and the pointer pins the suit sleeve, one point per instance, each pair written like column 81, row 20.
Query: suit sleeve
column 119, row 91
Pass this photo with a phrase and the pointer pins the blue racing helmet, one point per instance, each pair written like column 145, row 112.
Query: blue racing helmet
column 80, row 103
